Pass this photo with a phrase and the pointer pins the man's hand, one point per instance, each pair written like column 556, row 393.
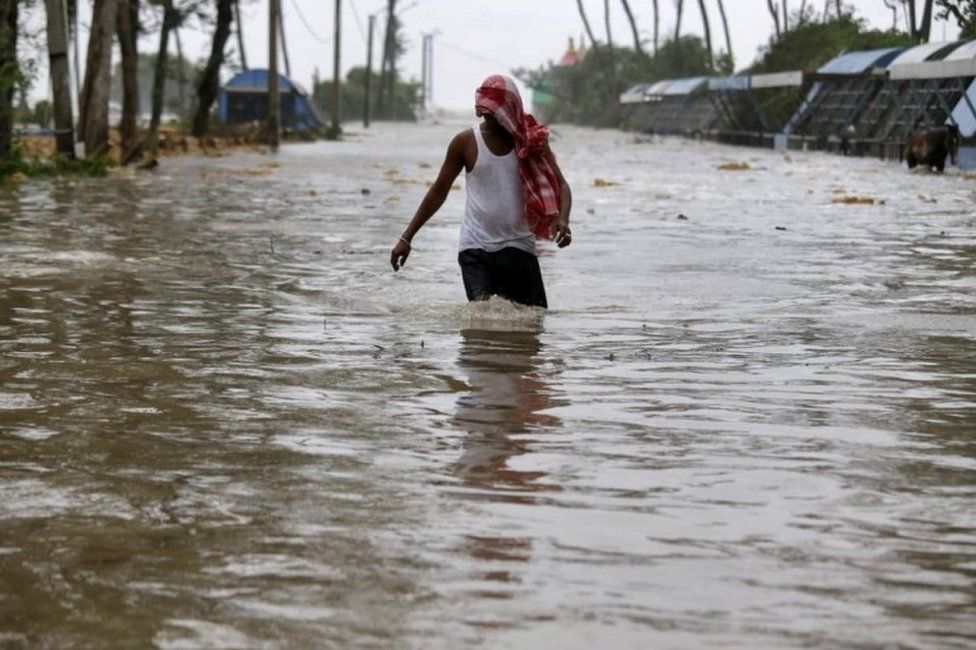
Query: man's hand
column 400, row 254
column 562, row 234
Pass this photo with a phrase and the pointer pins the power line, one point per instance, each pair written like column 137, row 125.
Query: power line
column 359, row 21
column 308, row 27
column 474, row 55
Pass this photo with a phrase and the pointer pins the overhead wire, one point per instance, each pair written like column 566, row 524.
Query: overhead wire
column 308, row 27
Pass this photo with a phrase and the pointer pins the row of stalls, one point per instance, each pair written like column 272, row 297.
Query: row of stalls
column 860, row 102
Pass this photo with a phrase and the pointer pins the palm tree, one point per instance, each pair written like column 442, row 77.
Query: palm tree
column 708, row 31
column 657, row 25
column 633, row 26
column 725, row 26
column 586, row 22
column 679, row 7
column 774, row 12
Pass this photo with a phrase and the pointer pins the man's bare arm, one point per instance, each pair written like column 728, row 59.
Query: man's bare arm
column 562, row 235
column 432, row 201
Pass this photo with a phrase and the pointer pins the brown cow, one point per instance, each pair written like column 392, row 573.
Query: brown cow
column 930, row 148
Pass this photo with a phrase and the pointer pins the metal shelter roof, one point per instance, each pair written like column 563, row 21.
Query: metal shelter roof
column 256, row 80
column 967, row 51
column 917, row 54
column 684, row 86
column 858, row 62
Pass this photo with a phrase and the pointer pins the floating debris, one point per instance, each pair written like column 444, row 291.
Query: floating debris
column 928, row 199
column 780, row 227
column 602, row 182
column 858, row 200
column 682, row 217
column 734, row 167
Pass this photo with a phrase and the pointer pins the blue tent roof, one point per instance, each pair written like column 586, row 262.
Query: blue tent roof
column 257, row 79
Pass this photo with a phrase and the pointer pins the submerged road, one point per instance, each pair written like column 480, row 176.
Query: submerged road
column 749, row 419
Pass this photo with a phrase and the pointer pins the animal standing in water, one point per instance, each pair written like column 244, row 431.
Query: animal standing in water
column 930, row 148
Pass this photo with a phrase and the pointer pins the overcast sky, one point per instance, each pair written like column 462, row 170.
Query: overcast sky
column 480, row 37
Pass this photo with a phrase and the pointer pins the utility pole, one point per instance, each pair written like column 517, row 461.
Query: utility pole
column 336, row 129
column 274, row 101
column 429, row 101
column 284, row 43
column 367, row 106
column 57, row 48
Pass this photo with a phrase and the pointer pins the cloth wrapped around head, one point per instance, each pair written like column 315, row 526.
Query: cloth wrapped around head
column 499, row 97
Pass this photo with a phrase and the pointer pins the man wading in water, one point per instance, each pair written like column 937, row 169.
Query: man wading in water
column 515, row 193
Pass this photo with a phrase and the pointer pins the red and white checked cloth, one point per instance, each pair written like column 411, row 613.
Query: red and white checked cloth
column 499, row 96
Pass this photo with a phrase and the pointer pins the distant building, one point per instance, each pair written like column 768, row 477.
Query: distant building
column 541, row 98
column 244, row 99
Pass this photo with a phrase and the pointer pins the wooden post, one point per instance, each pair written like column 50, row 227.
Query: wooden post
column 335, row 130
column 274, row 101
column 57, row 48
column 367, row 106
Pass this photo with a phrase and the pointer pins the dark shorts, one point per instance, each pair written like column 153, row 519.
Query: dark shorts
column 510, row 273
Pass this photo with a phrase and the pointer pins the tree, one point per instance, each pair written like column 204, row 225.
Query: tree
column 920, row 31
column 774, row 12
column 964, row 11
column 657, row 24
column 171, row 18
column 707, row 29
column 93, row 112
column 586, row 22
column 728, row 36
column 679, row 6
column 633, row 26
column 127, row 28
column 9, row 72
column 209, row 84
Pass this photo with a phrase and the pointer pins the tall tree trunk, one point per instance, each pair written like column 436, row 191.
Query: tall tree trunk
column 93, row 118
column 383, row 98
column 786, row 18
column 209, row 84
column 586, row 23
column 633, row 26
column 170, row 19
column 912, row 19
column 180, row 69
column 242, row 54
column 708, row 33
column 8, row 72
column 774, row 12
column 127, row 29
column 612, row 63
column 725, row 26
column 657, row 25
column 925, row 28
column 680, row 9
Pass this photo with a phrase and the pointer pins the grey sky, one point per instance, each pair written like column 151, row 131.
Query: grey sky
column 480, row 37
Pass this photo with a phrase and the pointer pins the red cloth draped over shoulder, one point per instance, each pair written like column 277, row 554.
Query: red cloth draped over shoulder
column 499, row 96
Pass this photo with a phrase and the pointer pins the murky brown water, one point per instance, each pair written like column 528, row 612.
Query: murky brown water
column 224, row 422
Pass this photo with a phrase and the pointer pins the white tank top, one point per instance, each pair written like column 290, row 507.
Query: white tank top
column 494, row 210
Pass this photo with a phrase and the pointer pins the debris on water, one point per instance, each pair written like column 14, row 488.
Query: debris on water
column 590, row 211
column 611, row 356
column 424, row 165
column 734, row 167
column 857, row 200
column 312, row 192
column 365, row 191
column 271, row 239
column 928, row 199
column 602, row 182
column 682, row 217
column 421, row 344
column 318, row 252
column 788, row 158
column 780, row 227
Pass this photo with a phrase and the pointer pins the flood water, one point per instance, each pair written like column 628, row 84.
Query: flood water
column 748, row 420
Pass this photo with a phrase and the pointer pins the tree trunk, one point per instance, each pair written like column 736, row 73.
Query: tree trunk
column 657, row 25
column 127, row 27
column 775, row 14
column 925, row 28
column 725, row 26
column 242, row 54
column 180, row 69
column 93, row 118
column 680, row 8
column 170, row 19
column 8, row 70
column 708, row 33
column 586, row 22
column 633, row 26
column 209, row 84
column 786, row 18
column 383, row 96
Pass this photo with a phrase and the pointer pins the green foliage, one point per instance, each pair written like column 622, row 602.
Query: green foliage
column 588, row 92
column 17, row 162
column 963, row 11
column 406, row 96
column 811, row 45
